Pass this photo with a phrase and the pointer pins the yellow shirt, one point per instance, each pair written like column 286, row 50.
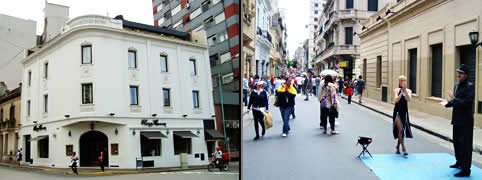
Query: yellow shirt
column 291, row 89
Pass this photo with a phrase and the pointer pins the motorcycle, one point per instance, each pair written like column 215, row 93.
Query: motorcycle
column 223, row 164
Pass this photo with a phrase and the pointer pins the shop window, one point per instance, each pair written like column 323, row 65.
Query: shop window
column 43, row 148
column 150, row 147
column 182, row 145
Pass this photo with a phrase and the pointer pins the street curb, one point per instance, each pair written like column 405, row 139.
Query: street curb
column 26, row 167
column 141, row 172
column 475, row 148
column 111, row 172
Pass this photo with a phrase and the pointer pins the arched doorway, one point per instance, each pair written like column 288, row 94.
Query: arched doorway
column 91, row 144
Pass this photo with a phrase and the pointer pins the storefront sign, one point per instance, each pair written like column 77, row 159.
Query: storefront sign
column 343, row 64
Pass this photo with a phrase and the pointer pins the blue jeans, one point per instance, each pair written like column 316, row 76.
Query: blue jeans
column 245, row 98
column 285, row 114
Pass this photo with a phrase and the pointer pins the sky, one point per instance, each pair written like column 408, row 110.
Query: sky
column 297, row 17
column 132, row 10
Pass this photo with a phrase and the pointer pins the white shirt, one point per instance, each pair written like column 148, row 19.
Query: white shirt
column 219, row 154
column 245, row 83
column 278, row 83
column 299, row 80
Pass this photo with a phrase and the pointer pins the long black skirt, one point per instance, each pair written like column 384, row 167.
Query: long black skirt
column 407, row 131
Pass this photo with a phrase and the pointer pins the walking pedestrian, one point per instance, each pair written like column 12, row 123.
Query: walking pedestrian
column 258, row 99
column 401, row 123
column 462, row 101
column 328, row 104
column 360, row 86
column 74, row 159
column 286, row 97
column 19, row 156
column 101, row 161
column 317, row 84
column 349, row 92
column 245, row 89
column 267, row 84
column 307, row 85
column 272, row 85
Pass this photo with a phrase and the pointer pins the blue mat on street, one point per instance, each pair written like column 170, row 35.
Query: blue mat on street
column 416, row 166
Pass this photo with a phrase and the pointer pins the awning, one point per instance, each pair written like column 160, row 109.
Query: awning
column 39, row 137
column 184, row 134
column 212, row 134
column 153, row 135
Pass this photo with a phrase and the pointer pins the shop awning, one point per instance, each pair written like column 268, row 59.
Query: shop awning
column 153, row 135
column 39, row 137
column 212, row 134
column 184, row 134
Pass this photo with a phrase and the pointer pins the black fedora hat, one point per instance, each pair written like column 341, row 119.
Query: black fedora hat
column 463, row 69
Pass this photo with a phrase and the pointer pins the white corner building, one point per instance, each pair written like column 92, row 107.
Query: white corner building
column 130, row 90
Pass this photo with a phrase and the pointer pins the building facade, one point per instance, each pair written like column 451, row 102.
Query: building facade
column 112, row 85
column 338, row 40
column 278, row 50
column 426, row 44
column 249, row 36
column 299, row 58
column 16, row 35
column 264, row 41
column 219, row 20
column 9, row 125
column 316, row 9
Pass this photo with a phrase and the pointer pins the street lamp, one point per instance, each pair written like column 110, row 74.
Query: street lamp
column 474, row 38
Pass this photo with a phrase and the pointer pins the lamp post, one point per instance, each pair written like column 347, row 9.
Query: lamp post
column 474, row 38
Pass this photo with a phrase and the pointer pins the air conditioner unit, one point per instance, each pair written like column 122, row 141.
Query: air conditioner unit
column 188, row 6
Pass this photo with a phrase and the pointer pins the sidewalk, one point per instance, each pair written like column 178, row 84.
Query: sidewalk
column 96, row 171
column 434, row 125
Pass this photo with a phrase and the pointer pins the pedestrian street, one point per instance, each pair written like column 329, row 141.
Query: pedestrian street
column 307, row 153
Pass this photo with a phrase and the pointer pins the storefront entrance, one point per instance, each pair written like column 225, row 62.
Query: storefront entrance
column 91, row 144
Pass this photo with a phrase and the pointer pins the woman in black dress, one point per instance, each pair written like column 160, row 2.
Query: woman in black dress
column 258, row 99
column 401, row 124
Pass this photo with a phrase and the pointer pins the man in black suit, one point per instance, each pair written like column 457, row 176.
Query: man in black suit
column 462, row 101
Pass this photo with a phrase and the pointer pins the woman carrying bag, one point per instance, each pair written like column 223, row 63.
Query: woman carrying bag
column 258, row 99
column 328, row 105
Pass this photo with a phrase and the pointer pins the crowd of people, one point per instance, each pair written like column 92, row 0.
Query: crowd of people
column 286, row 87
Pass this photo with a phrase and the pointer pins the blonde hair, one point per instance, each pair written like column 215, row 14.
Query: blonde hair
column 400, row 78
